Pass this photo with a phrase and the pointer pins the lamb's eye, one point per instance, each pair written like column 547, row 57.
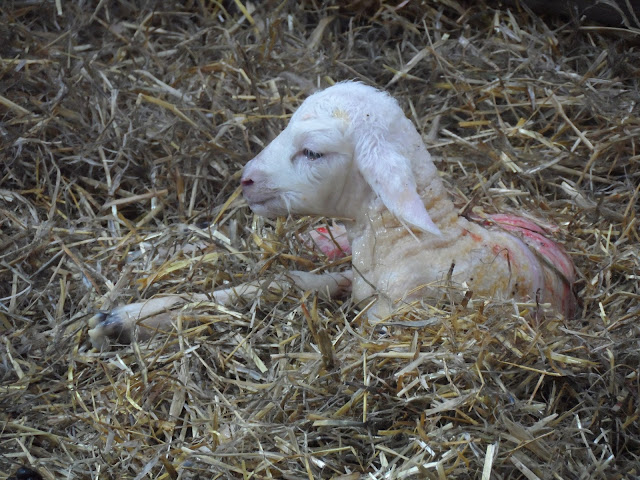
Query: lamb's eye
column 311, row 155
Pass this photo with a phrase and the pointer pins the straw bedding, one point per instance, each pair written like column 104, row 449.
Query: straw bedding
column 123, row 129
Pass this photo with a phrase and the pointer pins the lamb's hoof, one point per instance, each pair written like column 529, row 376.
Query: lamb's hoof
column 107, row 328
column 144, row 319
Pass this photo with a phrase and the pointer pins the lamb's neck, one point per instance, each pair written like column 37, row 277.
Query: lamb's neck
column 375, row 218
column 377, row 235
column 436, row 200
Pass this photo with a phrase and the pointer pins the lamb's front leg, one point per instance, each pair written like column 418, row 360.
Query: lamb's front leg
column 158, row 314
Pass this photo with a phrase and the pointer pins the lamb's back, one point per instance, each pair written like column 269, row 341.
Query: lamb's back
column 403, row 265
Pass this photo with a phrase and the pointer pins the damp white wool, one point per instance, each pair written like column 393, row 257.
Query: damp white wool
column 350, row 152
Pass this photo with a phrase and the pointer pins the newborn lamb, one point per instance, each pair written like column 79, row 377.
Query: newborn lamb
column 350, row 152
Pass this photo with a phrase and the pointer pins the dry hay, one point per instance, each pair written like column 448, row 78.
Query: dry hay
column 123, row 128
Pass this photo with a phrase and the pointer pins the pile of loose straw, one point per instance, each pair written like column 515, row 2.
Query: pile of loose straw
column 123, row 129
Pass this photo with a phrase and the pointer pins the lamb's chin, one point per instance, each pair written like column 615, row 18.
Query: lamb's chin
column 271, row 207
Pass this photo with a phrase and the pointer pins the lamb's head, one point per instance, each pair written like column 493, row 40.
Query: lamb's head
column 343, row 147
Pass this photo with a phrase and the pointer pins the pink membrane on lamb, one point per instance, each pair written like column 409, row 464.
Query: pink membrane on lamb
column 331, row 241
column 560, row 273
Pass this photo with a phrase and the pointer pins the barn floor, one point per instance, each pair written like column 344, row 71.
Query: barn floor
column 124, row 126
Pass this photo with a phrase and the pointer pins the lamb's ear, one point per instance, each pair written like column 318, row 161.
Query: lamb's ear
column 389, row 175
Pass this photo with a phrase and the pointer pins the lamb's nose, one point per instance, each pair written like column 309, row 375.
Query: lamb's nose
column 245, row 182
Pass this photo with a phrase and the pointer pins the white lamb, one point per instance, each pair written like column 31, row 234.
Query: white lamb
column 350, row 152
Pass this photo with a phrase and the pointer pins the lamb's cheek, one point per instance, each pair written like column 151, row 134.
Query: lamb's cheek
column 332, row 184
